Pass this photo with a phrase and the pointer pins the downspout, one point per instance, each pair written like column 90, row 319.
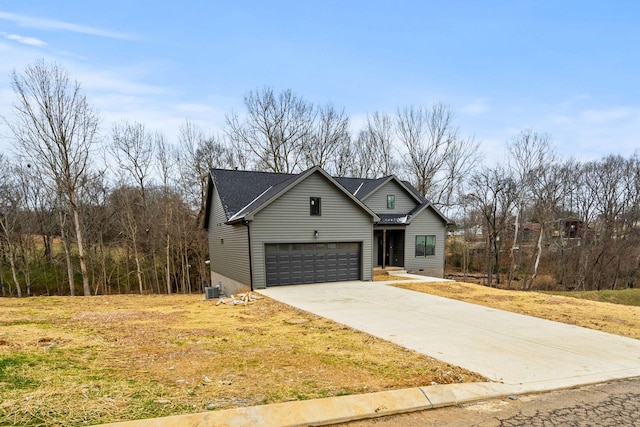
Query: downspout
column 250, row 260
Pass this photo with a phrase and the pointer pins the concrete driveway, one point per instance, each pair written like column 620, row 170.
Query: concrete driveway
column 531, row 353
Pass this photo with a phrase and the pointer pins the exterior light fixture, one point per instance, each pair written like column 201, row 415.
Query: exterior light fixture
column 316, row 234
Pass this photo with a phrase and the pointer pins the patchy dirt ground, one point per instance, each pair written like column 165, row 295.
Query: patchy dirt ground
column 79, row 361
column 613, row 318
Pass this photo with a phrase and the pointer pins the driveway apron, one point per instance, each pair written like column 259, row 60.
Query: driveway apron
column 535, row 354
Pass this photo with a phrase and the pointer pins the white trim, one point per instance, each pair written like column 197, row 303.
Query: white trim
column 237, row 214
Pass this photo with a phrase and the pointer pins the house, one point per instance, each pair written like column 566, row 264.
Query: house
column 267, row 229
column 530, row 231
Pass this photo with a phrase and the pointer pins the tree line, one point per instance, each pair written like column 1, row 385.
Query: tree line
column 84, row 210
column 576, row 222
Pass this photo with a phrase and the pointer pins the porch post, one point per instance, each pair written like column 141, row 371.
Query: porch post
column 384, row 247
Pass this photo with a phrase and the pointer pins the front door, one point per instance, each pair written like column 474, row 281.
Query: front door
column 390, row 247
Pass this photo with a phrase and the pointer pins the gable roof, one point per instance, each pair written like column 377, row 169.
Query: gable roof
column 245, row 193
column 362, row 188
column 403, row 184
column 238, row 188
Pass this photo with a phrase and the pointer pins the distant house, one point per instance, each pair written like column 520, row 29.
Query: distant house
column 268, row 229
column 530, row 231
column 573, row 228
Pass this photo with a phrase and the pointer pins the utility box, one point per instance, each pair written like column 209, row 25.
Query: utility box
column 212, row 292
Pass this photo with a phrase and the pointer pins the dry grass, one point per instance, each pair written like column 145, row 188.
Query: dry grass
column 78, row 361
column 603, row 316
column 384, row 276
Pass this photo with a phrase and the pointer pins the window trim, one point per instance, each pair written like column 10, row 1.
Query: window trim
column 426, row 238
column 315, row 210
column 391, row 201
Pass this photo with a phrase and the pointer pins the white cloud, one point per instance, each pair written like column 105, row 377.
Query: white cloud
column 112, row 82
column 593, row 133
column 198, row 109
column 31, row 41
column 357, row 122
column 607, row 116
column 477, row 107
column 51, row 24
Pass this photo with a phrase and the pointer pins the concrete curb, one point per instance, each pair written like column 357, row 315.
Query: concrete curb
column 334, row 410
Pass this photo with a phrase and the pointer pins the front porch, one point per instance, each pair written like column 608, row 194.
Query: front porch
column 388, row 244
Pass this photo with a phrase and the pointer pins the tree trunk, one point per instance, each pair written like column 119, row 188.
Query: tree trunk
column 83, row 261
column 27, row 272
column 46, row 239
column 536, row 264
column 489, row 263
column 136, row 257
column 14, row 273
column 67, row 258
column 154, row 272
column 497, row 258
column 512, row 261
column 617, row 274
column 103, row 266
column 168, row 266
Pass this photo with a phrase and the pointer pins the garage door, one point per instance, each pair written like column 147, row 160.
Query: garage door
column 298, row 263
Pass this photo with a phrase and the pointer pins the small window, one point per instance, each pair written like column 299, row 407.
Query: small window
column 391, row 201
column 425, row 245
column 314, row 206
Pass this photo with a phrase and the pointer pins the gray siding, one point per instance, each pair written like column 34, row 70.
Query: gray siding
column 231, row 258
column 377, row 201
column 287, row 220
column 426, row 223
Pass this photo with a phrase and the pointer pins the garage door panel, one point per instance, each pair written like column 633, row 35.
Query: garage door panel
column 299, row 263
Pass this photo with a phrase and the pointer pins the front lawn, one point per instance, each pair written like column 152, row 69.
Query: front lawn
column 87, row 360
column 585, row 309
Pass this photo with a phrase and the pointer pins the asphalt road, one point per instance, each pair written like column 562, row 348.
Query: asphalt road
column 610, row 404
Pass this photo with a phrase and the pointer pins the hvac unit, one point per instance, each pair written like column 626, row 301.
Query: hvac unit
column 212, row 292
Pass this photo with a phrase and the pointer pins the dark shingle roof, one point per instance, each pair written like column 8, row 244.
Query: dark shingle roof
column 237, row 189
column 414, row 190
column 361, row 187
column 242, row 192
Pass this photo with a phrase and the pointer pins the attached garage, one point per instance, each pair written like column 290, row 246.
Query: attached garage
column 299, row 263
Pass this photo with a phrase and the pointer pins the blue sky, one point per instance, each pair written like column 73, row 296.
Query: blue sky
column 568, row 68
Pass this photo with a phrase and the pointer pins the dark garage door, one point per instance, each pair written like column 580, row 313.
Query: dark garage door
column 298, row 263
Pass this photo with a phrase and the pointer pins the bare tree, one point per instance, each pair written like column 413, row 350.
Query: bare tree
column 372, row 153
column 198, row 154
column 132, row 147
column 529, row 151
column 167, row 161
column 381, row 138
column 492, row 195
column 274, row 131
column 364, row 161
column 55, row 127
column 11, row 204
column 436, row 156
column 345, row 159
column 329, row 135
column 548, row 189
column 99, row 227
